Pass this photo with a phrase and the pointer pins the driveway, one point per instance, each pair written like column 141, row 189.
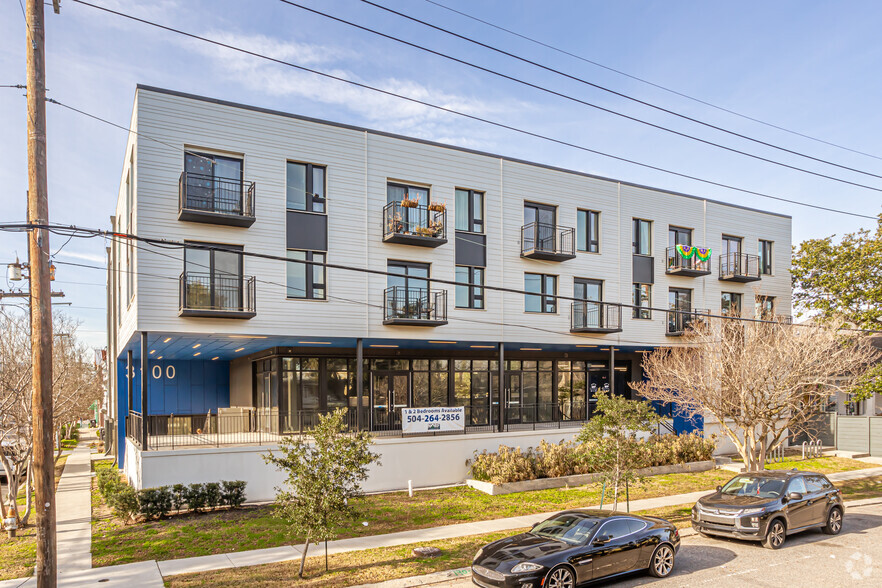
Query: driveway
column 854, row 557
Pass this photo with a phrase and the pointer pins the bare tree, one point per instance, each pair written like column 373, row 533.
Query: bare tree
column 758, row 380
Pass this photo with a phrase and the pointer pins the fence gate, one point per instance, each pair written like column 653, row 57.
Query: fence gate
column 876, row 436
column 861, row 434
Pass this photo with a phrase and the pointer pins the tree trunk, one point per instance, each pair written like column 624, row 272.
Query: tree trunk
column 303, row 558
column 29, row 482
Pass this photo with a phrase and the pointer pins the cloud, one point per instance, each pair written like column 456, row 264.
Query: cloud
column 84, row 256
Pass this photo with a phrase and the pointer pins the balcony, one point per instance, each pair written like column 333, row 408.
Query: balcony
column 217, row 296
column 548, row 242
column 219, row 201
column 589, row 316
column 421, row 225
column 685, row 261
column 739, row 267
column 679, row 321
column 418, row 307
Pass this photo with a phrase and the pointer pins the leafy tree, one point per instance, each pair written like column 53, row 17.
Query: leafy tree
column 841, row 280
column 868, row 384
column 324, row 475
column 610, row 438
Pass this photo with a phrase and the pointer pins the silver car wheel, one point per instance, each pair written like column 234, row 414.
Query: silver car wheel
column 561, row 578
column 663, row 562
column 776, row 534
column 835, row 521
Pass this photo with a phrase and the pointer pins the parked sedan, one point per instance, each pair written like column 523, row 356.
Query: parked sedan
column 769, row 505
column 576, row 546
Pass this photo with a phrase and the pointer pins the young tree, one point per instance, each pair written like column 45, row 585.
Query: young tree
column 610, row 438
column 841, row 279
column 760, row 381
column 324, row 475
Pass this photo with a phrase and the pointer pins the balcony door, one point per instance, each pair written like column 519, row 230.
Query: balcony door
column 408, row 295
column 679, row 236
column 539, row 227
column 680, row 302
column 213, row 277
column 389, row 394
column 214, row 183
column 731, row 259
column 588, row 314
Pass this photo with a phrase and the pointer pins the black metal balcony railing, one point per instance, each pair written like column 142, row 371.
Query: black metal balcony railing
column 676, row 264
column 415, row 225
column 134, row 428
column 589, row 316
column 547, row 241
column 740, row 267
column 217, row 295
column 414, row 306
column 679, row 321
column 204, row 198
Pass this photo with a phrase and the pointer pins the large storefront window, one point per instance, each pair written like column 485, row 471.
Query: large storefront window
column 471, row 388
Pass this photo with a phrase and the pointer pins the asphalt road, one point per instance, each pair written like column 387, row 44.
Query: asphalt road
column 854, row 557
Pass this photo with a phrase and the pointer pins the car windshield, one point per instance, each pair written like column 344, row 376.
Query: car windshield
column 569, row 528
column 748, row 485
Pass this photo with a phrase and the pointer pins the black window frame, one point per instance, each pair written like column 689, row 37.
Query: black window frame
column 735, row 296
column 311, row 285
column 476, row 225
column 475, row 289
column 585, row 282
column 590, row 241
column 636, row 242
column 766, row 249
column 639, row 311
column 675, row 231
column 212, row 249
column 759, row 306
column 547, row 302
column 311, row 199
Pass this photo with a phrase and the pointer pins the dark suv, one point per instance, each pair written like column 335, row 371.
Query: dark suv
column 769, row 505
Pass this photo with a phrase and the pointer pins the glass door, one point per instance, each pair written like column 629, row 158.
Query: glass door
column 513, row 397
column 678, row 236
column 389, row 394
column 408, row 287
column 680, row 302
column 731, row 255
column 539, row 227
column 587, row 314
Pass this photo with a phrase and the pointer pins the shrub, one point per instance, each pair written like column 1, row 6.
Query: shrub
column 195, row 497
column 234, row 493
column 508, row 465
column 561, row 459
column 212, row 493
column 178, row 496
column 124, row 502
column 108, row 481
column 155, row 503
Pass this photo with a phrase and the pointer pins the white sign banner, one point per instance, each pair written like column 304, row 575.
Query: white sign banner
column 433, row 419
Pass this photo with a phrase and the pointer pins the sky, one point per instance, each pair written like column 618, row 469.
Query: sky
column 806, row 66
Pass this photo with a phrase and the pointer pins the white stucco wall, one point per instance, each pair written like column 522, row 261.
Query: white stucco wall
column 427, row 461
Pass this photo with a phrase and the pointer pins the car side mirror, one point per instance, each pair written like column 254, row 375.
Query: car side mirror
column 719, row 489
column 602, row 540
column 794, row 496
column 533, row 526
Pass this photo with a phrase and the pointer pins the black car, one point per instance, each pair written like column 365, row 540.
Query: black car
column 577, row 546
column 769, row 505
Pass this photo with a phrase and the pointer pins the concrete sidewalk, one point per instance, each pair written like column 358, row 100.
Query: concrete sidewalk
column 151, row 573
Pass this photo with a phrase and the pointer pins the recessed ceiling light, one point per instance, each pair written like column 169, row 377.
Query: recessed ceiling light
column 483, row 346
column 586, row 345
column 314, row 342
column 391, row 346
column 531, row 349
column 444, row 342
column 215, row 357
column 160, row 357
column 197, row 346
column 152, row 351
column 166, row 340
column 238, row 350
column 197, row 353
column 248, row 336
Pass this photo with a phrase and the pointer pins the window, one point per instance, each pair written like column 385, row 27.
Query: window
column 588, row 231
column 765, row 255
column 130, row 227
column 588, row 289
column 306, row 280
column 642, row 299
column 765, row 307
column 642, row 243
column 471, row 387
column 797, row 485
column 213, row 276
column 818, row 484
column 399, row 192
column 469, row 296
column 539, row 227
column 731, row 245
column 409, row 276
column 305, row 187
column 680, row 299
column 730, row 304
column 469, row 211
column 615, row 529
column 543, row 289
column 679, row 236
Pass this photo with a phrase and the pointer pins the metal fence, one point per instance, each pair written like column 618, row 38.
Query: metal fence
column 207, row 193
column 740, row 265
column 217, row 292
column 589, row 314
column 547, row 238
column 419, row 221
column 414, row 304
column 678, row 321
column 676, row 262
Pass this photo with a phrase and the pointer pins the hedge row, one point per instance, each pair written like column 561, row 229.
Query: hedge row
column 552, row 460
column 154, row 503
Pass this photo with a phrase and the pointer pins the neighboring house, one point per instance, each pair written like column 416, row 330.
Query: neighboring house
column 240, row 349
column 847, row 405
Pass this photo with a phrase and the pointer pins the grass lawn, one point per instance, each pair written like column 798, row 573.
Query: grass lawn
column 377, row 565
column 19, row 555
column 823, row 465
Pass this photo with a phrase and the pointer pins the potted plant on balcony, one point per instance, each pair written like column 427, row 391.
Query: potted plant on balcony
column 408, row 202
column 394, row 224
column 436, row 228
column 437, row 207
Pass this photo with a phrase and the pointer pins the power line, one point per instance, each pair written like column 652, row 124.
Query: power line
column 605, row 89
column 653, row 84
column 180, row 245
column 470, row 116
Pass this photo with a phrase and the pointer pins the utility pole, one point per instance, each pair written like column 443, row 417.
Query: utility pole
column 41, row 301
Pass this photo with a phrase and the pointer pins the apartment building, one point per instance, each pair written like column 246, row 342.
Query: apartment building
column 244, row 334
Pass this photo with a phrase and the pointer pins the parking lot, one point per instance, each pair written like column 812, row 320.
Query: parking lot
column 854, row 557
